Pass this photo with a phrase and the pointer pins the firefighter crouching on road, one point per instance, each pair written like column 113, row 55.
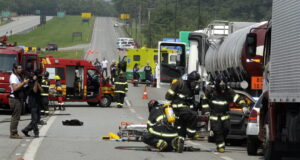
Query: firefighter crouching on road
column 45, row 93
column 161, row 133
column 216, row 104
column 181, row 97
column 121, row 87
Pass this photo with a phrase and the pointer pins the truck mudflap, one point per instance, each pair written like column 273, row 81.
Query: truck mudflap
column 293, row 126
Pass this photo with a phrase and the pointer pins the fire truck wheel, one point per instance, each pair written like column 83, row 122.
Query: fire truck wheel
column 93, row 104
column 105, row 101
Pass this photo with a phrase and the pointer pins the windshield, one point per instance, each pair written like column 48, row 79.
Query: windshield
column 7, row 61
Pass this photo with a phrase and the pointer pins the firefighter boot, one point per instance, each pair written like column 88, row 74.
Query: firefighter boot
column 221, row 150
column 161, row 145
column 197, row 136
column 178, row 144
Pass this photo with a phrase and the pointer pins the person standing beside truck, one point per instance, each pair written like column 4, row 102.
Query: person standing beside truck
column 97, row 64
column 148, row 73
column 215, row 104
column 113, row 71
column 45, row 93
column 104, row 65
column 34, row 97
column 121, row 89
column 16, row 99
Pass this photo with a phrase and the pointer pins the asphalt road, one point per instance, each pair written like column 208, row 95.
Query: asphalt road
column 59, row 142
column 21, row 25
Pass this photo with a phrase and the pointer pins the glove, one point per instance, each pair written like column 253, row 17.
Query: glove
column 207, row 114
column 246, row 111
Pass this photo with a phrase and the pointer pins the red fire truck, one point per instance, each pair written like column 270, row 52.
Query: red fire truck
column 80, row 81
column 11, row 54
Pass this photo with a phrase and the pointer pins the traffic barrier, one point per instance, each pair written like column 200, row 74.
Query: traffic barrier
column 145, row 95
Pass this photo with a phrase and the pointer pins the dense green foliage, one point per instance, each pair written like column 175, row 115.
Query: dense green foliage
column 189, row 15
column 51, row 7
column 57, row 30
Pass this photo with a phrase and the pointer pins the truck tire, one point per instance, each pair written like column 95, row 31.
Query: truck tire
column 252, row 145
column 105, row 101
column 270, row 152
column 92, row 104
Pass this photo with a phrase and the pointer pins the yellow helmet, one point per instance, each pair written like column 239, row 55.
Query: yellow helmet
column 57, row 77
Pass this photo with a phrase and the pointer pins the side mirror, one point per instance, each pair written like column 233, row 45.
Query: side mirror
column 251, row 41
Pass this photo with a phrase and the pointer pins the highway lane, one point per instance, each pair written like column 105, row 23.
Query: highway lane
column 61, row 142
column 21, row 24
column 103, row 43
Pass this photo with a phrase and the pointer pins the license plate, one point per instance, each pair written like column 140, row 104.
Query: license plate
column 1, row 78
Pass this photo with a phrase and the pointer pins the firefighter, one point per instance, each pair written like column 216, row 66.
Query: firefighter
column 121, row 87
column 181, row 98
column 45, row 93
column 161, row 133
column 215, row 103
column 58, row 90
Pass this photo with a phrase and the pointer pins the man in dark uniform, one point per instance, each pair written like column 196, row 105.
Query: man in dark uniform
column 148, row 73
column 45, row 93
column 34, row 92
column 121, row 87
column 181, row 97
column 216, row 104
column 161, row 134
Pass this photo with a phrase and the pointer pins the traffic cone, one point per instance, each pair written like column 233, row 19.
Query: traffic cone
column 145, row 96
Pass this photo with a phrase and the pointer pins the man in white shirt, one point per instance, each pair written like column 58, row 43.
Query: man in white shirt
column 16, row 99
column 104, row 65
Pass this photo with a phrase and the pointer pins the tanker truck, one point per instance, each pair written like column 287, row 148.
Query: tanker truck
column 279, row 123
column 223, row 53
column 220, row 50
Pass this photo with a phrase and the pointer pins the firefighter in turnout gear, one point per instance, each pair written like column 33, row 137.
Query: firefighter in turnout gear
column 161, row 133
column 181, row 98
column 215, row 103
column 45, row 93
column 121, row 87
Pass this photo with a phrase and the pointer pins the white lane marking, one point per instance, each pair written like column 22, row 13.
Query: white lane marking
column 141, row 118
column 18, row 154
column 35, row 143
column 23, row 145
column 27, row 140
column 127, row 102
column 132, row 110
column 226, row 158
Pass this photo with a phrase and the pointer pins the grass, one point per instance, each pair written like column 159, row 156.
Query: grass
column 74, row 54
column 57, row 30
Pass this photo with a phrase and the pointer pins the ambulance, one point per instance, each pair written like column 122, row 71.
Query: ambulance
column 143, row 56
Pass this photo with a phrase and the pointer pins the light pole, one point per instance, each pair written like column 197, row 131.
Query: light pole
column 149, row 28
column 199, row 14
column 175, row 25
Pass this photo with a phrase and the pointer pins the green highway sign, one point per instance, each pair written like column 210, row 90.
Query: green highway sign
column 61, row 14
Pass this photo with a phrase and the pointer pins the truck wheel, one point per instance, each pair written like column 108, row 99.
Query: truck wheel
column 252, row 145
column 269, row 146
column 93, row 104
column 105, row 101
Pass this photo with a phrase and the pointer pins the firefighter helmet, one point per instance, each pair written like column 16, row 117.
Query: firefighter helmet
column 193, row 76
column 46, row 74
column 221, row 82
column 151, row 104
column 57, row 77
